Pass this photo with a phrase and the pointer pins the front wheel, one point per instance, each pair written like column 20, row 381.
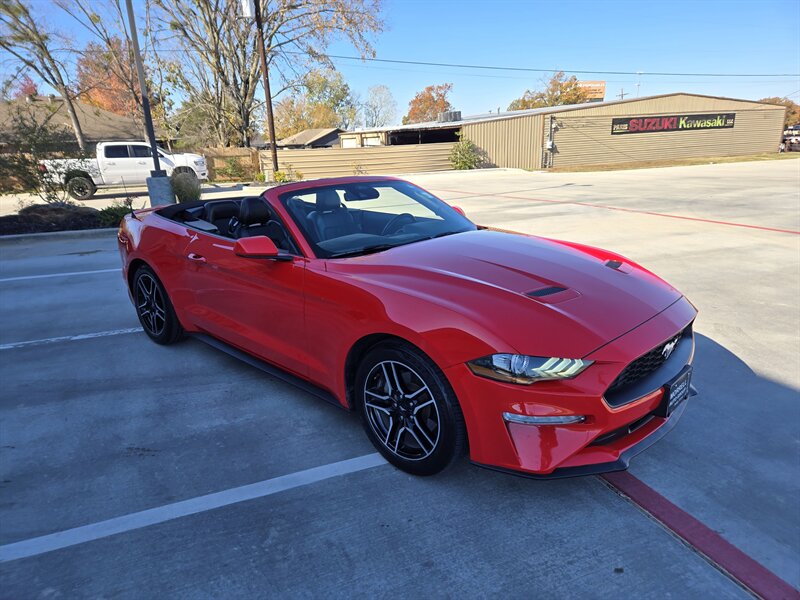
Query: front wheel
column 81, row 188
column 185, row 171
column 408, row 409
column 154, row 309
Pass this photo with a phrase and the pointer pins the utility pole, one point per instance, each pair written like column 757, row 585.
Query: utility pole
column 638, row 82
column 622, row 94
column 159, row 188
column 268, row 95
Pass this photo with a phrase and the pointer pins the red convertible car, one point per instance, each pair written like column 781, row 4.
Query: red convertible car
column 540, row 357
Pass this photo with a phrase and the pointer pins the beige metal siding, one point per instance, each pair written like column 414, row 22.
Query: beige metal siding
column 675, row 103
column 384, row 160
column 584, row 139
column 512, row 143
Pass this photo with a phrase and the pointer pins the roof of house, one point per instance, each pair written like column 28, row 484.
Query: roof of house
column 513, row 114
column 307, row 136
column 98, row 125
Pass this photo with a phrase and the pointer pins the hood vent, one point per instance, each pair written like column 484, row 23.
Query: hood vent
column 614, row 264
column 547, row 291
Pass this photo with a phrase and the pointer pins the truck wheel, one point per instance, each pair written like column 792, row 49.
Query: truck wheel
column 185, row 171
column 81, row 188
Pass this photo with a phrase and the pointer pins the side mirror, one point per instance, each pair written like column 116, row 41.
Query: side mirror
column 259, row 246
column 459, row 210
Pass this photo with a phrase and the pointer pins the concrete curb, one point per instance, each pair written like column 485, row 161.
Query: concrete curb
column 70, row 234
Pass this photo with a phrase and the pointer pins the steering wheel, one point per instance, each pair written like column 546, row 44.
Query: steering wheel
column 397, row 222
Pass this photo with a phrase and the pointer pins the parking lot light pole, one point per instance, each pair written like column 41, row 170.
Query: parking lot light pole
column 159, row 188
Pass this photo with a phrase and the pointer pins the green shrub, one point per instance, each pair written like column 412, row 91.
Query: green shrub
column 260, row 177
column 233, row 170
column 186, row 187
column 465, row 154
column 110, row 216
column 289, row 175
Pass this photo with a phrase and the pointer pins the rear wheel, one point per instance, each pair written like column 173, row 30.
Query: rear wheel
column 81, row 188
column 409, row 411
column 154, row 309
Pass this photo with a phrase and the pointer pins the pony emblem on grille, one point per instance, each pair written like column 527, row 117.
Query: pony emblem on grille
column 668, row 348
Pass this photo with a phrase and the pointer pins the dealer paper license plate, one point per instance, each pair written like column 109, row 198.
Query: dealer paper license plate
column 676, row 391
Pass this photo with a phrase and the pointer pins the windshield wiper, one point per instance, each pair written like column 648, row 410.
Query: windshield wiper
column 365, row 250
column 382, row 247
column 438, row 235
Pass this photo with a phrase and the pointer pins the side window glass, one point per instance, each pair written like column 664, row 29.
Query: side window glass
column 117, row 151
column 141, row 151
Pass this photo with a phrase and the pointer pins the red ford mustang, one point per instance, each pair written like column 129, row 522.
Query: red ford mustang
column 540, row 357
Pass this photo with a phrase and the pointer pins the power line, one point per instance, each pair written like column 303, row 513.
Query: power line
column 486, row 67
column 534, row 70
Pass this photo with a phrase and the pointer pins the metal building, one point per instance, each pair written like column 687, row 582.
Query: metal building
column 665, row 127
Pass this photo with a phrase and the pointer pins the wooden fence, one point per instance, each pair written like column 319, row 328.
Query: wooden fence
column 231, row 163
column 243, row 163
column 338, row 162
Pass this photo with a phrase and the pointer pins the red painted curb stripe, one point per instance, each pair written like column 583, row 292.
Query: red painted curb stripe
column 630, row 210
column 752, row 575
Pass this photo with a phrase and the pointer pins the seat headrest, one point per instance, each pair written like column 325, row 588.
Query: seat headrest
column 328, row 200
column 253, row 209
column 220, row 209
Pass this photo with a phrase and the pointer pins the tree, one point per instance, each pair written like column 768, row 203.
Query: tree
column 379, row 109
column 27, row 40
column 25, row 88
column 324, row 100
column 102, row 86
column 428, row 103
column 557, row 91
column 792, row 115
column 106, row 68
column 220, row 63
column 35, row 137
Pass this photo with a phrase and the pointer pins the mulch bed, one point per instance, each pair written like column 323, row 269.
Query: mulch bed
column 44, row 217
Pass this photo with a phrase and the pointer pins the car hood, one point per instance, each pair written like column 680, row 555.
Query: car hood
column 186, row 159
column 539, row 296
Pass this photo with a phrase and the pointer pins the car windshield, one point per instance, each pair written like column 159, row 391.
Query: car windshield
column 359, row 218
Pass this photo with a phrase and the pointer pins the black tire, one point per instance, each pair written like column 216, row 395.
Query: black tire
column 419, row 428
column 184, row 171
column 154, row 308
column 81, row 188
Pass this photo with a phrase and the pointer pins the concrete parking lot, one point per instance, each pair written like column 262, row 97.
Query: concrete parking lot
column 178, row 472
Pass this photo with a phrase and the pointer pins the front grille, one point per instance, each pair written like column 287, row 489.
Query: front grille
column 643, row 366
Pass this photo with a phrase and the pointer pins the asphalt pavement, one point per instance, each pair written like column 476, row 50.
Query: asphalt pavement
column 178, row 472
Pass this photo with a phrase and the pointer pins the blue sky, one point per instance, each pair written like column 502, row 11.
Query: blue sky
column 708, row 36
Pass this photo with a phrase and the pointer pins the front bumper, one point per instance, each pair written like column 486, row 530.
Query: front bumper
column 608, row 437
column 620, row 464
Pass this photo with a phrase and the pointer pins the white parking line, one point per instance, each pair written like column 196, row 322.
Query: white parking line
column 69, row 338
column 117, row 270
column 168, row 512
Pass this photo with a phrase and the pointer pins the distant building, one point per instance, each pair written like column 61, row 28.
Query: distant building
column 312, row 138
column 654, row 128
column 595, row 90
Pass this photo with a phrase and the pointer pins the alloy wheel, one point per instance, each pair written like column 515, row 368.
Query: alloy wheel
column 150, row 304
column 401, row 410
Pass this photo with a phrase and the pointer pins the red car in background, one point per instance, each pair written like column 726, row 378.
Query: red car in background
column 540, row 357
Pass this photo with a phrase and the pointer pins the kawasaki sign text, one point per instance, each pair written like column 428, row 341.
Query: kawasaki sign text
column 672, row 123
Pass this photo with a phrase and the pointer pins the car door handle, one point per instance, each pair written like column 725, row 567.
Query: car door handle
column 141, row 162
column 113, row 164
column 196, row 258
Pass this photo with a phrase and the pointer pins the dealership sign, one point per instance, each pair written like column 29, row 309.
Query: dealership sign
column 672, row 123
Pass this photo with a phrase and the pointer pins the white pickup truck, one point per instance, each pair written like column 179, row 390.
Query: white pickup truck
column 118, row 163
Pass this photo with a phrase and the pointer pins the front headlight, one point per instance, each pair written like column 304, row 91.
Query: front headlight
column 525, row 370
column 200, row 162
